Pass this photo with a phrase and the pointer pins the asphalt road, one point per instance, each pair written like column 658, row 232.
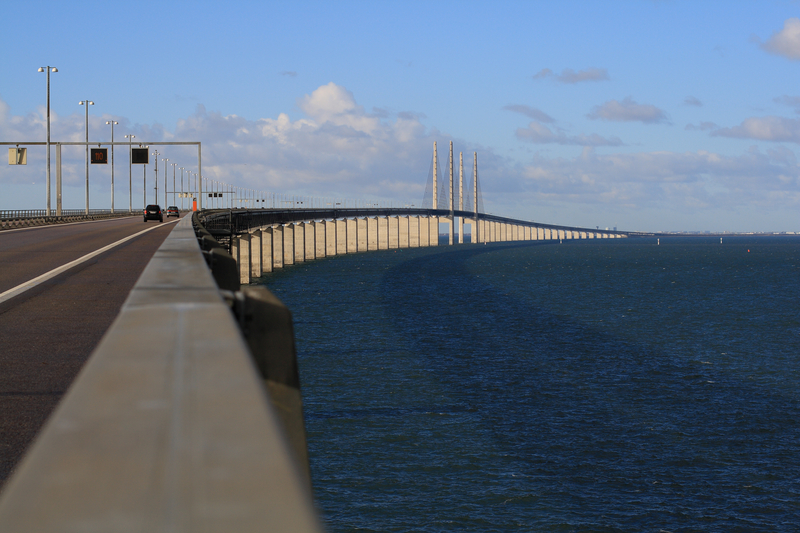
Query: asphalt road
column 49, row 331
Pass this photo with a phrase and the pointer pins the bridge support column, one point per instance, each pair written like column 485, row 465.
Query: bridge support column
column 383, row 233
column 433, row 231
column 402, row 232
column 424, row 231
column 288, row 244
column 413, row 231
column 277, row 246
column 241, row 245
column 352, row 236
column 319, row 239
column 235, row 245
column 255, row 254
column 394, row 232
column 299, row 243
column 372, row 234
column 363, row 238
column 450, row 229
column 311, row 244
column 460, row 230
column 330, row 237
column 266, row 250
column 341, row 237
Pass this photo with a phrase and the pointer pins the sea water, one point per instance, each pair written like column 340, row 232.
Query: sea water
column 609, row 385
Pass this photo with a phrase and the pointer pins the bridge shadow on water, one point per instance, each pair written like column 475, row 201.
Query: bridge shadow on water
column 466, row 401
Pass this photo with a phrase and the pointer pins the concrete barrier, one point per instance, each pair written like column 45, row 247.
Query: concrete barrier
column 169, row 426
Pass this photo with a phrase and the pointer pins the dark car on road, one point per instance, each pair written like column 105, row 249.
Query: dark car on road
column 153, row 212
column 172, row 211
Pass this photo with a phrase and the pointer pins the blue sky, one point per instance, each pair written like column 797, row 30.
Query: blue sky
column 641, row 115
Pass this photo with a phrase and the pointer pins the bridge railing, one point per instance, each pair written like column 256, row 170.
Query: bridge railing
column 20, row 218
column 186, row 417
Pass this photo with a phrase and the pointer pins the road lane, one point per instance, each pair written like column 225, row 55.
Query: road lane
column 26, row 254
column 47, row 333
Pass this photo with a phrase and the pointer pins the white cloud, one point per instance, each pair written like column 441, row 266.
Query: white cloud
column 787, row 41
column 791, row 101
column 680, row 181
column 628, row 111
column 703, row 126
column 770, row 128
column 570, row 76
column 541, row 134
column 691, row 100
column 530, row 112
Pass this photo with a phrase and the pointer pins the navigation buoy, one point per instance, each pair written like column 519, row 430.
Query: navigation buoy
column 748, row 251
column 720, row 240
column 658, row 242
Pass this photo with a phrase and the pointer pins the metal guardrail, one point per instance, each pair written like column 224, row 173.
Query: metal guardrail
column 186, row 417
column 21, row 218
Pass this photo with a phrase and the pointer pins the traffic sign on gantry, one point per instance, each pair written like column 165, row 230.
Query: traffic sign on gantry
column 17, row 156
column 99, row 156
column 140, row 156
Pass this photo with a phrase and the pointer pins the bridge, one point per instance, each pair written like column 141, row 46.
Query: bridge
column 187, row 414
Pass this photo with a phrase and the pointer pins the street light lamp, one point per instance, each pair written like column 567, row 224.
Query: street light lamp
column 130, row 169
column 87, row 103
column 48, row 70
column 112, row 122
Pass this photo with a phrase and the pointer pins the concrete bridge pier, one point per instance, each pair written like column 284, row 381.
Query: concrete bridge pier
column 394, row 236
column 341, row 237
column 413, row 231
column 255, row 254
column 330, row 237
column 240, row 250
column 310, row 240
column 433, row 228
column 299, row 243
column 288, row 244
column 424, row 231
column 450, row 229
column 402, row 232
column 372, row 233
column 383, row 233
column 266, row 250
column 362, row 239
column 352, row 235
column 277, row 246
column 319, row 239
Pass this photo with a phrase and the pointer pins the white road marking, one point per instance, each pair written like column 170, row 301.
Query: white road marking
column 19, row 289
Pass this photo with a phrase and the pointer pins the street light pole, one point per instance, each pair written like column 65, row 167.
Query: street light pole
column 87, row 103
column 173, row 182
column 112, row 122
column 182, row 191
column 130, row 171
column 166, row 163
column 155, row 153
column 48, row 70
